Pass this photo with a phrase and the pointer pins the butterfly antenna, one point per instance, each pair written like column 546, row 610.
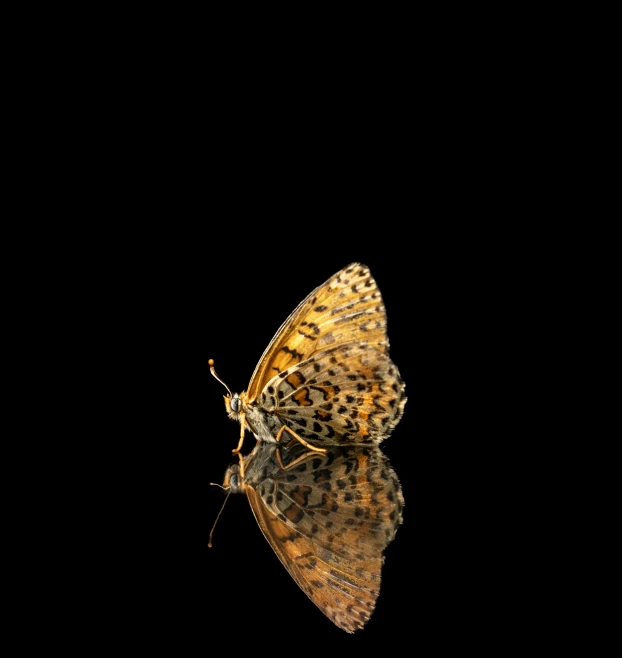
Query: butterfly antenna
column 209, row 543
column 211, row 367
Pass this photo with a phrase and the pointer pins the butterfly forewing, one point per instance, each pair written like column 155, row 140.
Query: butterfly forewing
column 348, row 307
column 328, row 517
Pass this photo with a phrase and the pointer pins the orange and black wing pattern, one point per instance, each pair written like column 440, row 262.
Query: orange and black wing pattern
column 327, row 373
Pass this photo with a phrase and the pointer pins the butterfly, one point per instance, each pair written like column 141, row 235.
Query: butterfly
column 325, row 385
column 326, row 377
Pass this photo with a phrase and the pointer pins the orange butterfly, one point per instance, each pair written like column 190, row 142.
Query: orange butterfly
column 326, row 377
column 323, row 396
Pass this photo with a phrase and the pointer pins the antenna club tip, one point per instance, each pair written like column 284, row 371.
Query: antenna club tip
column 211, row 362
column 209, row 544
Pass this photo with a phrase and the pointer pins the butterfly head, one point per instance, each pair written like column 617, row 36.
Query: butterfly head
column 234, row 404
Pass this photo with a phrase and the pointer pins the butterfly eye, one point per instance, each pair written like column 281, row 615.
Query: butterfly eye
column 234, row 482
column 235, row 403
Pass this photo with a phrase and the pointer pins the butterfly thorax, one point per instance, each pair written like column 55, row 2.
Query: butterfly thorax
column 261, row 421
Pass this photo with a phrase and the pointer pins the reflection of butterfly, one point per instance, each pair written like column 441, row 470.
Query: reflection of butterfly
column 326, row 376
column 325, row 380
column 328, row 517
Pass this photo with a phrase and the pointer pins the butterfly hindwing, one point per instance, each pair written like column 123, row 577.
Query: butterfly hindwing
column 351, row 393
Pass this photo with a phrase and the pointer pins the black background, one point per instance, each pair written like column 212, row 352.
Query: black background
column 196, row 243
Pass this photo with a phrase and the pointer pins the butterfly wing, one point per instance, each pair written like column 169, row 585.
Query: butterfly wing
column 328, row 518
column 351, row 393
column 327, row 372
column 344, row 308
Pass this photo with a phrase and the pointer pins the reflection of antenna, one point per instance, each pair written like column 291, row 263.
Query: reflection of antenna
column 209, row 543
column 211, row 367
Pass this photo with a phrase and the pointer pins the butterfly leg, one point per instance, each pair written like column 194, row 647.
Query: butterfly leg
column 298, row 438
column 241, row 441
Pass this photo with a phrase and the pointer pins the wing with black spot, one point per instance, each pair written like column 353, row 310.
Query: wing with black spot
column 351, row 393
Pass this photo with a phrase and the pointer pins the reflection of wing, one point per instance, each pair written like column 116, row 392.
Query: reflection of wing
column 347, row 307
column 329, row 518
